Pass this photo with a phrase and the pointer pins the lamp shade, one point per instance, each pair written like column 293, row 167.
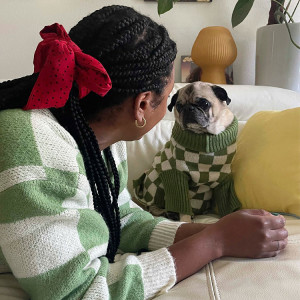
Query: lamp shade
column 213, row 51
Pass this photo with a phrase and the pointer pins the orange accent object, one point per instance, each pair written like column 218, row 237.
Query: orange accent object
column 213, row 51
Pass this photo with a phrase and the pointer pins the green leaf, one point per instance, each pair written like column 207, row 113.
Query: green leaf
column 241, row 11
column 164, row 6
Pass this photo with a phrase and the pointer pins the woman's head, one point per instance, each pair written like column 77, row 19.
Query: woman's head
column 136, row 52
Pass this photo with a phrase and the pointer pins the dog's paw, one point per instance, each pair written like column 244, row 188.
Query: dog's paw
column 185, row 218
column 172, row 215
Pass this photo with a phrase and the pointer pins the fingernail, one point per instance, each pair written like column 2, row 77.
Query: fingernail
column 283, row 218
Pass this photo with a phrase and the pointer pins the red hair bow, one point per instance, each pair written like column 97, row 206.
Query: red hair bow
column 59, row 62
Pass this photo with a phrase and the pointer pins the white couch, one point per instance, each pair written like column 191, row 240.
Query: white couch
column 226, row 278
column 231, row 278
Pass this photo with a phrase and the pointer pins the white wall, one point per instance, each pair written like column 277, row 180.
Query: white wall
column 21, row 21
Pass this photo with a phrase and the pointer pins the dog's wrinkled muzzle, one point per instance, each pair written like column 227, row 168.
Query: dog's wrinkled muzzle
column 191, row 114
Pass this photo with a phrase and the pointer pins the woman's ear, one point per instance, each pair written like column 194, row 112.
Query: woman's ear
column 142, row 105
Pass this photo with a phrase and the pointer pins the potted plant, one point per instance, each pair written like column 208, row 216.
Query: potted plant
column 277, row 44
column 278, row 14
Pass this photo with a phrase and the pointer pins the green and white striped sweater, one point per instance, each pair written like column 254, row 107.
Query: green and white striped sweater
column 52, row 239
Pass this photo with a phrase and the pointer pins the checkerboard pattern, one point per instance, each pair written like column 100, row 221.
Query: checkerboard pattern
column 201, row 171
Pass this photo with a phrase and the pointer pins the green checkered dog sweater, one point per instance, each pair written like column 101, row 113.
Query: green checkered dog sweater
column 187, row 170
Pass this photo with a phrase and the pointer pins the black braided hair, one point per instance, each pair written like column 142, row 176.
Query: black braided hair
column 138, row 55
column 136, row 52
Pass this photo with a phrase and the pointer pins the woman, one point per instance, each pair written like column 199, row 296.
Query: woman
column 65, row 209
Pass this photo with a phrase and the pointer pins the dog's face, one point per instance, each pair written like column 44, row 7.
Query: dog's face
column 202, row 108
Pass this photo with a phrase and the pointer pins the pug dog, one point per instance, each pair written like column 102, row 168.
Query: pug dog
column 202, row 108
column 196, row 159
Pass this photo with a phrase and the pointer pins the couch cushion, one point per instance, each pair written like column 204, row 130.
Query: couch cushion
column 266, row 167
column 247, row 279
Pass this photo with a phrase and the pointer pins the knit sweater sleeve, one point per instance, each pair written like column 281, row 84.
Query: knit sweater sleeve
column 50, row 237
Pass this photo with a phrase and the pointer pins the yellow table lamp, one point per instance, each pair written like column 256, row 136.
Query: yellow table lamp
column 213, row 51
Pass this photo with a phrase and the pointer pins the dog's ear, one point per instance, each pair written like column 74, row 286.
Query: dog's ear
column 173, row 101
column 221, row 94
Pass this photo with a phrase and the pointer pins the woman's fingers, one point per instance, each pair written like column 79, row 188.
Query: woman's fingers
column 279, row 245
column 275, row 248
column 282, row 244
column 278, row 234
column 276, row 240
column 251, row 233
column 276, row 222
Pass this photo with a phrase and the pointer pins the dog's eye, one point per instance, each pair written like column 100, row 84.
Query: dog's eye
column 203, row 103
column 179, row 107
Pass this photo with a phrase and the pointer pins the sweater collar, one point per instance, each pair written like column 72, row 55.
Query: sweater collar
column 206, row 142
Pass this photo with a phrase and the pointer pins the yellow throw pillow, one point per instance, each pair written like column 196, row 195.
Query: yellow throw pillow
column 266, row 167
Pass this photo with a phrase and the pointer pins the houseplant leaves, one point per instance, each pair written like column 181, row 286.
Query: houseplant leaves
column 164, row 6
column 241, row 11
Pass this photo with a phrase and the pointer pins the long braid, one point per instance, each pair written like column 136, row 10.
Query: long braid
column 98, row 176
column 117, row 189
column 137, row 54
column 114, row 215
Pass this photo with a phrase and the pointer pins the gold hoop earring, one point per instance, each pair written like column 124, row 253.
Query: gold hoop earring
column 141, row 126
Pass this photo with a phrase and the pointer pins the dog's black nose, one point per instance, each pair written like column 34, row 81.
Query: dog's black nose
column 190, row 107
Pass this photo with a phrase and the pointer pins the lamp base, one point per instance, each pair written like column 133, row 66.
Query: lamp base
column 213, row 75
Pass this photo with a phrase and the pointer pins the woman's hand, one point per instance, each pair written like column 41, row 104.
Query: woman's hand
column 251, row 233
column 245, row 233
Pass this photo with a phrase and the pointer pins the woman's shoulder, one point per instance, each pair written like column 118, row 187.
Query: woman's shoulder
column 14, row 125
column 35, row 137
column 11, row 118
column 18, row 123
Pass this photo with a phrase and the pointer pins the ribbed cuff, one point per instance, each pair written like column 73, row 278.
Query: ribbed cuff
column 163, row 234
column 226, row 198
column 159, row 274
